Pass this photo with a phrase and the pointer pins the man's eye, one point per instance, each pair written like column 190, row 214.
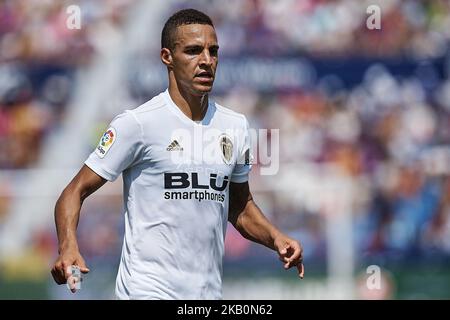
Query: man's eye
column 192, row 51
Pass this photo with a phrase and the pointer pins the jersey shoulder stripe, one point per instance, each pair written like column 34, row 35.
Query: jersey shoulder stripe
column 151, row 105
column 229, row 112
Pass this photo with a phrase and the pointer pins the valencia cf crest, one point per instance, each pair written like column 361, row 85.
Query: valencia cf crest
column 226, row 148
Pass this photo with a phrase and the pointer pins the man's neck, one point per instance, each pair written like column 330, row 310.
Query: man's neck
column 194, row 107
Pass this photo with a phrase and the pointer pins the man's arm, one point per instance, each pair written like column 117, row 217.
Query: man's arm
column 67, row 214
column 251, row 223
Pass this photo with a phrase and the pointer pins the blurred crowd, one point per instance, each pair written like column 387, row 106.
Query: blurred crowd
column 388, row 134
column 389, row 137
column 330, row 28
column 39, row 55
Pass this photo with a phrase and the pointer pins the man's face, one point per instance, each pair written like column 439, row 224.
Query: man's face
column 195, row 58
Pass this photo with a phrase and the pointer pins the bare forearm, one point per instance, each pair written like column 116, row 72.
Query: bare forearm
column 67, row 213
column 248, row 219
column 68, row 206
column 254, row 226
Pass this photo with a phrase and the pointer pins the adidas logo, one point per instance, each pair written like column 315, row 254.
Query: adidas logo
column 174, row 146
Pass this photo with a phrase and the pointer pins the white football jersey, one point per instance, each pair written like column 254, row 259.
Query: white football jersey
column 176, row 177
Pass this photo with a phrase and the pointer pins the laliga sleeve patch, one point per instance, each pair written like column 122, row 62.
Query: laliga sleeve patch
column 106, row 141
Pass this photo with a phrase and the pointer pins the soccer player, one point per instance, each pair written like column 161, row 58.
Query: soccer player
column 176, row 203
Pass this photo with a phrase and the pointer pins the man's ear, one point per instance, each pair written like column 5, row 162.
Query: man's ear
column 166, row 57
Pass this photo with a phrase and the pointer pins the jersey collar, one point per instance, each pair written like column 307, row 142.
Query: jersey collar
column 177, row 111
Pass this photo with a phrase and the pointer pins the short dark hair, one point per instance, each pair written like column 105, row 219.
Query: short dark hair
column 179, row 18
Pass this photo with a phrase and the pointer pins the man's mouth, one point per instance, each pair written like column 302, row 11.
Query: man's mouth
column 204, row 75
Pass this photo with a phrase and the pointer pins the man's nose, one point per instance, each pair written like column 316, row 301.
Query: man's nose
column 205, row 58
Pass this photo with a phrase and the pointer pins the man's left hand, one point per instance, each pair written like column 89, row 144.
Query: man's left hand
column 290, row 252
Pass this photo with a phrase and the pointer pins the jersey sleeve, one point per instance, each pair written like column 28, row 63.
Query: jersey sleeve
column 119, row 147
column 244, row 158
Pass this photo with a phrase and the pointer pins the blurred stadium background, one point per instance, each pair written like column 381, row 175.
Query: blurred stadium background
column 364, row 119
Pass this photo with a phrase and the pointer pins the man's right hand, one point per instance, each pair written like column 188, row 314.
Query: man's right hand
column 61, row 270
